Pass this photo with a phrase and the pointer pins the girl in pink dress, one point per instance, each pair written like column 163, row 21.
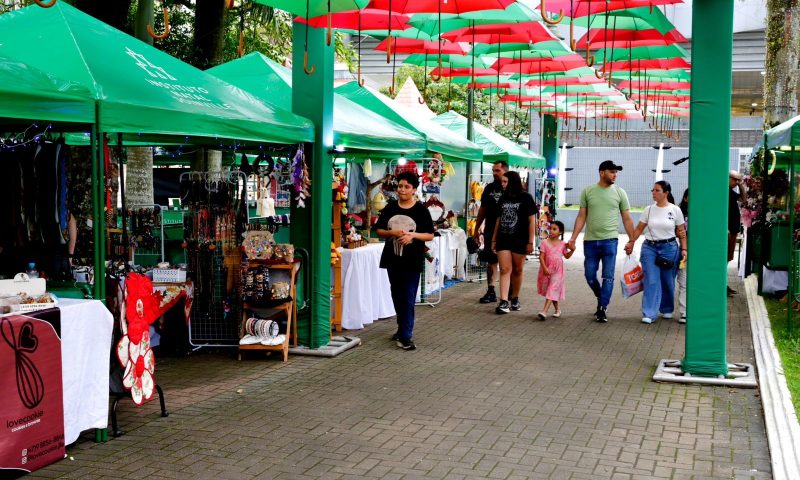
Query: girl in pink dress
column 550, row 283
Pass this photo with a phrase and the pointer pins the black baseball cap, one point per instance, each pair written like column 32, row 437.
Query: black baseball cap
column 609, row 165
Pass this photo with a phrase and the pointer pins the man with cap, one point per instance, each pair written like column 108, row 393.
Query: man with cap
column 599, row 209
column 734, row 214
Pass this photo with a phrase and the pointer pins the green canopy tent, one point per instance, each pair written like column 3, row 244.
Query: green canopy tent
column 439, row 140
column 140, row 90
column 29, row 94
column 495, row 146
column 355, row 127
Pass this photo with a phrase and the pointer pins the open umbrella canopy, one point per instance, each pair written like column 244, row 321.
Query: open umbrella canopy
column 553, row 48
column 462, row 72
column 452, row 61
column 354, row 127
column 642, row 53
column 30, row 94
column 438, row 6
column 495, row 146
column 540, row 65
column 438, row 139
column 140, row 89
column 367, row 19
column 408, row 45
column 315, row 7
column 518, row 12
column 633, row 19
column 527, row 32
column 608, row 38
column 581, row 8
column 673, row 75
column 653, row 64
column 655, row 85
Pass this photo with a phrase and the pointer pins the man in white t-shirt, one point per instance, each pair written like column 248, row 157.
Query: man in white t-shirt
column 664, row 224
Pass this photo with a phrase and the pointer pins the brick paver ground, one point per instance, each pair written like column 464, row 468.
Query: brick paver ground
column 484, row 396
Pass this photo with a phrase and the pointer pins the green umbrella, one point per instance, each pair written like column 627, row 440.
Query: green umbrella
column 314, row 8
column 521, row 11
column 643, row 53
column 411, row 33
column 642, row 18
column 452, row 61
column 676, row 75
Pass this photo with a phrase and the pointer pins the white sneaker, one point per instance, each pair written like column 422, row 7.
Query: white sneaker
column 682, row 319
column 666, row 316
column 647, row 320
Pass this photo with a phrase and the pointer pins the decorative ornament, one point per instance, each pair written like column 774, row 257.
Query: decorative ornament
column 300, row 178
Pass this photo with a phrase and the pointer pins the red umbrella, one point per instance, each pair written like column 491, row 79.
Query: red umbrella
column 624, row 38
column 410, row 45
column 367, row 19
column 564, row 81
column 651, row 64
column 461, row 72
column 439, row 6
column 582, row 8
column 526, row 32
column 533, row 66
column 655, row 85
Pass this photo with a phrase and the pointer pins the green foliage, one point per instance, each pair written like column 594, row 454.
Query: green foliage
column 441, row 95
column 788, row 344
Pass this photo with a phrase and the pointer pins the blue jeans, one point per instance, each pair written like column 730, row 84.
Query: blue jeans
column 594, row 252
column 659, row 283
column 404, row 286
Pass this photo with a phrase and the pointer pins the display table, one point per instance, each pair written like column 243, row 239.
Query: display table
column 86, row 330
column 366, row 295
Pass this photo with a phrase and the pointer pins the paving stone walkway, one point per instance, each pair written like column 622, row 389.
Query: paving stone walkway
column 484, row 396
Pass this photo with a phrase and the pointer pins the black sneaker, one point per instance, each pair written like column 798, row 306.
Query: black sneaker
column 731, row 292
column 503, row 307
column 395, row 337
column 490, row 297
column 406, row 345
column 600, row 315
column 515, row 305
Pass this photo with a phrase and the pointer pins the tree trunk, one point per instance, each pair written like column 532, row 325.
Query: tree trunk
column 783, row 53
column 144, row 16
column 139, row 178
column 114, row 13
column 209, row 32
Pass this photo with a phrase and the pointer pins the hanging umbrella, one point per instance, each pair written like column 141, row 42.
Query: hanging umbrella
column 367, row 19
column 528, row 32
column 633, row 19
column 409, row 45
column 675, row 75
column 439, row 6
column 452, row 61
column 553, row 47
column 623, row 38
column 519, row 12
column 531, row 66
column 582, row 8
column 315, row 8
column 654, row 64
column 626, row 84
column 643, row 53
column 461, row 72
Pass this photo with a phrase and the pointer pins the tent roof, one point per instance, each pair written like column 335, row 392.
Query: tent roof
column 440, row 140
column 139, row 89
column 785, row 134
column 495, row 146
column 354, row 127
column 31, row 94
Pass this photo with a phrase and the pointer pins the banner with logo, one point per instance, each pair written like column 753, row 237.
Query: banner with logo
column 32, row 413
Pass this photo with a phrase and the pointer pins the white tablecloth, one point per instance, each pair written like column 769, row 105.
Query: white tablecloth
column 86, row 329
column 454, row 253
column 366, row 295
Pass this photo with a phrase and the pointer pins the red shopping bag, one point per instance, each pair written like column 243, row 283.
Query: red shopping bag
column 632, row 277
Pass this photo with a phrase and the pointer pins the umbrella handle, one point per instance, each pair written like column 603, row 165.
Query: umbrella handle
column 45, row 5
column 554, row 21
column 589, row 58
column 240, row 48
column 436, row 78
column 152, row 33
column 309, row 71
column 601, row 74
column 636, row 106
column 389, row 49
column 421, row 100
column 360, row 80
column 329, row 34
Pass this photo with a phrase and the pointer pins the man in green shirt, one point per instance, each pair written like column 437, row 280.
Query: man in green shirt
column 600, row 206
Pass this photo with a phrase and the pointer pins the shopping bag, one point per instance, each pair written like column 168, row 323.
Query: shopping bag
column 632, row 276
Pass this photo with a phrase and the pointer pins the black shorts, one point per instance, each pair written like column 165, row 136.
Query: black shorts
column 516, row 246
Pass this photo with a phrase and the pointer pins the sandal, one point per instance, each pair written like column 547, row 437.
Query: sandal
column 542, row 316
column 557, row 314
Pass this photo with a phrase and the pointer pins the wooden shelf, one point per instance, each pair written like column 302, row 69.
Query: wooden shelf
column 289, row 309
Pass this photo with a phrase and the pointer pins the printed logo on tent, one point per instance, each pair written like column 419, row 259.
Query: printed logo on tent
column 153, row 70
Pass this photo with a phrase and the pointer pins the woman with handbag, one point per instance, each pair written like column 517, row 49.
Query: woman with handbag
column 660, row 252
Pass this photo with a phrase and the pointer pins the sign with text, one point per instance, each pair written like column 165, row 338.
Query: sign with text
column 32, row 411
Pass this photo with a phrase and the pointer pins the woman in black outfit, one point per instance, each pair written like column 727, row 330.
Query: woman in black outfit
column 513, row 238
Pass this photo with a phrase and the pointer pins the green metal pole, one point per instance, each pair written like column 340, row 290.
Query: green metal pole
column 709, row 148
column 99, row 220
column 549, row 148
column 793, row 266
column 95, row 202
column 312, row 97
column 470, row 114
